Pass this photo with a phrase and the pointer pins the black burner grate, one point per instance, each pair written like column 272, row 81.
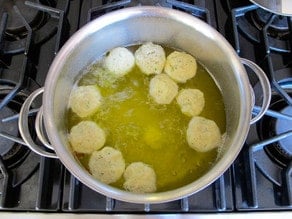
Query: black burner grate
column 20, row 18
column 28, row 182
column 79, row 198
column 265, row 160
column 259, row 26
column 95, row 10
column 255, row 182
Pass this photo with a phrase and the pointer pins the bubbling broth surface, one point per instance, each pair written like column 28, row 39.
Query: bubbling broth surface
column 148, row 132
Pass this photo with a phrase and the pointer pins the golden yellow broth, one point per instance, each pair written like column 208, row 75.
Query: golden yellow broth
column 148, row 132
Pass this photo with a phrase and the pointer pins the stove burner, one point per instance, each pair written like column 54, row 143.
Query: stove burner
column 262, row 27
column 261, row 17
column 280, row 151
column 15, row 27
column 12, row 153
column 18, row 17
column 279, row 27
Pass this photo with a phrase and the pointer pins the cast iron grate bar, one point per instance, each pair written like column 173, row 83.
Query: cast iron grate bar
column 265, row 32
column 275, row 84
column 50, row 184
column 5, row 181
column 102, row 9
column 219, row 190
column 235, row 14
column 290, row 28
column 147, row 207
column 184, row 202
column 55, row 13
column 110, row 204
column 202, row 13
column 13, row 138
column 288, row 177
column 73, row 193
column 2, row 29
column 271, row 72
column 272, row 113
column 252, row 198
column 240, row 22
column 31, row 112
column 251, row 169
column 21, row 78
column 12, row 186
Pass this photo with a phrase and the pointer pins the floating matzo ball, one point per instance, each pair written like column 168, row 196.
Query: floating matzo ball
column 107, row 165
column 150, row 58
column 163, row 89
column 191, row 101
column 203, row 134
column 180, row 66
column 119, row 61
column 140, row 178
column 86, row 137
column 85, row 100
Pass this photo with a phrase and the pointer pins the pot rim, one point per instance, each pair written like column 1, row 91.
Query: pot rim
column 79, row 172
column 280, row 7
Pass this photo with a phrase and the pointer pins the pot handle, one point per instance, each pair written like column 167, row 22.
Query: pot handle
column 24, row 130
column 266, row 87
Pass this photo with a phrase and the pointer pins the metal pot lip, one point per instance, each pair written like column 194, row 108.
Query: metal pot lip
column 67, row 158
column 280, row 7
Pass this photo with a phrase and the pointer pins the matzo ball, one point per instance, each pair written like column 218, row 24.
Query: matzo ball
column 180, row 66
column 85, row 100
column 107, row 165
column 119, row 61
column 203, row 134
column 139, row 178
column 150, row 58
column 162, row 89
column 191, row 101
column 86, row 137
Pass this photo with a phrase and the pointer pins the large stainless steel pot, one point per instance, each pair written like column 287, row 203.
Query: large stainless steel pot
column 282, row 7
column 132, row 26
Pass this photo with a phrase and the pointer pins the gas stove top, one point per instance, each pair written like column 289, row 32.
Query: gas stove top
column 260, row 179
